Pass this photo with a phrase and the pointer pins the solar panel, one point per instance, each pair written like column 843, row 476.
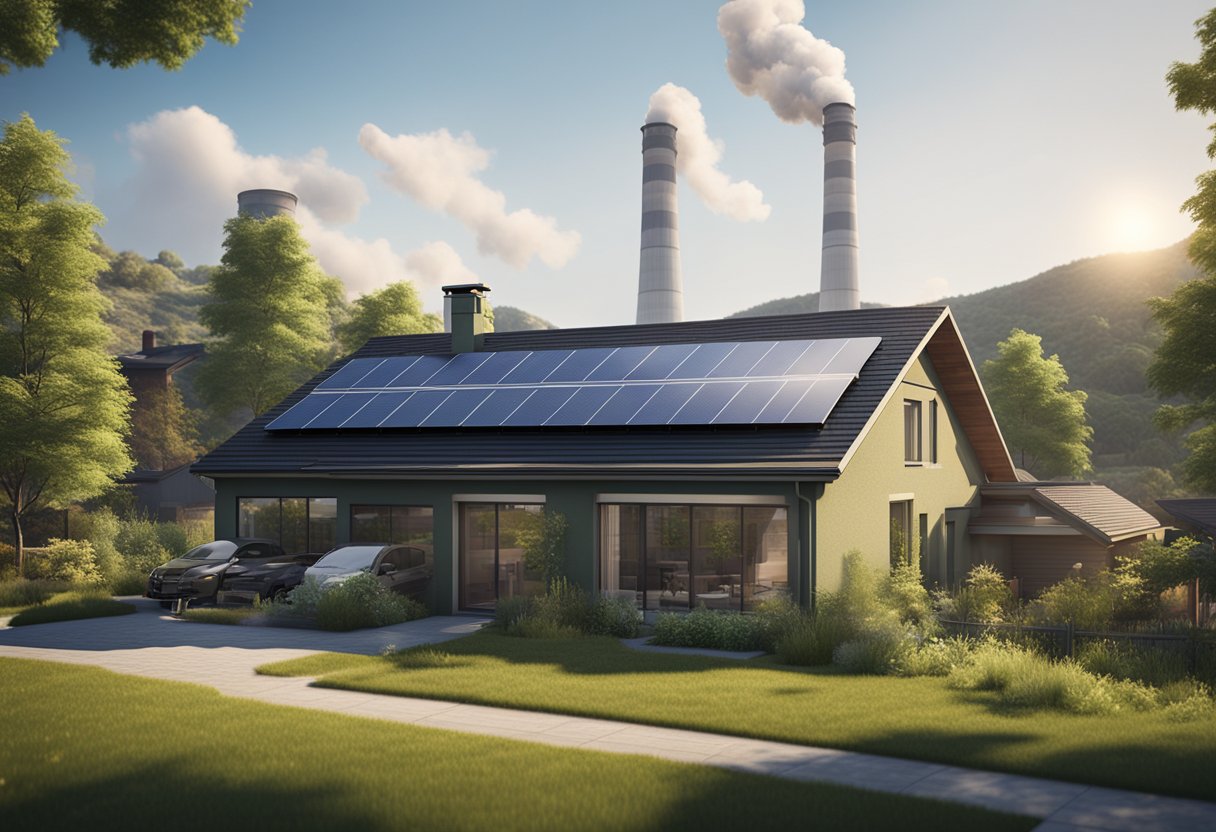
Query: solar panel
column 734, row 383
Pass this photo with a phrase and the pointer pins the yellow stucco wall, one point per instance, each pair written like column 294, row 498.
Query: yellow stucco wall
column 854, row 511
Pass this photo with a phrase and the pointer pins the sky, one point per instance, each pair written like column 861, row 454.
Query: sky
column 446, row 142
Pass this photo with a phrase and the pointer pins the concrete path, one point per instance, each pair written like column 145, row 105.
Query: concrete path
column 154, row 645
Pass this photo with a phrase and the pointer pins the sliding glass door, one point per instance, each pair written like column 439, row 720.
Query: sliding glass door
column 494, row 541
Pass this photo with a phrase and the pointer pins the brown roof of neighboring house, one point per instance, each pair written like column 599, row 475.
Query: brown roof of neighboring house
column 1095, row 506
column 1199, row 514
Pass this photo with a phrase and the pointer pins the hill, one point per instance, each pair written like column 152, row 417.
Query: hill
column 791, row 306
column 511, row 319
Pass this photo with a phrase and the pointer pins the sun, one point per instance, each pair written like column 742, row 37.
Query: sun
column 1132, row 226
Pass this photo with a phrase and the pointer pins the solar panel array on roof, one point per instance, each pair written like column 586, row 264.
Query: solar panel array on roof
column 740, row 383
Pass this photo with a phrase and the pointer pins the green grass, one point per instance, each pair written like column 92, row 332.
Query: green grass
column 916, row 718
column 70, row 606
column 222, row 615
column 88, row 749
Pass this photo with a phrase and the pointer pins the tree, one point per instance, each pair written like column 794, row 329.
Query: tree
column 1044, row 424
column 1185, row 363
column 121, row 33
column 393, row 310
column 164, row 431
column 63, row 402
column 269, row 313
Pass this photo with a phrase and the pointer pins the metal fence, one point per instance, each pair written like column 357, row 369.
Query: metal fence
column 1196, row 647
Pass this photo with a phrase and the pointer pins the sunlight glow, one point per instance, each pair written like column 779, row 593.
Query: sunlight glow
column 1132, row 226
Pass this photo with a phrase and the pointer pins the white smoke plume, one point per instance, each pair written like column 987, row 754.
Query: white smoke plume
column 189, row 169
column 440, row 170
column 771, row 55
column 698, row 157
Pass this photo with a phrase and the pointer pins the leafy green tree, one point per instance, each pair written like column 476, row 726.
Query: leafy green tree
column 63, row 403
column 392, row 310
column 269, row 315
column 164, row 431
column 1184, row 365
column 120, row 33
column 1044, row 424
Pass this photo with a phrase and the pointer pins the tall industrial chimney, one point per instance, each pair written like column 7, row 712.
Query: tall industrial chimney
column 265, row 202
column 838, row 281
column 660, row 288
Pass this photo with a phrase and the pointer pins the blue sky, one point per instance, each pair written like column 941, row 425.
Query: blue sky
column 995, row 141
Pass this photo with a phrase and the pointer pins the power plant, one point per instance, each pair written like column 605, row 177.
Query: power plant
column 262, row 203
column 838, row 279
column 660, row 287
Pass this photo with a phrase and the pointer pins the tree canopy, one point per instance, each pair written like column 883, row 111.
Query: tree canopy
column 1044, row 424
column 1184, row 365
column 392, row 310
column 120, row 33
column 270, row 313
column 63, row 403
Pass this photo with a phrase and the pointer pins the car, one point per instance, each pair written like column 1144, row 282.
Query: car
column 403, row 569
column 196, row 575
column 252, row 580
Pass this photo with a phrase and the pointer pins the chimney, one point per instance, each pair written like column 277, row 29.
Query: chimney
column 149, row 340
column 838, row 281
column 660, row 288
column 464, row 307
column 265, row 202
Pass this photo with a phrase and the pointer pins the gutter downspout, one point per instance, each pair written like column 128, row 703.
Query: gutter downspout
column 807, row 579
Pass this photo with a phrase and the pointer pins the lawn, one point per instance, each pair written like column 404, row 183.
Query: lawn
column 89, row 749
column 915, row 718
column 68, row 606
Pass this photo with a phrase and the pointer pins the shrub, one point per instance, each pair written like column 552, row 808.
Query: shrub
column 129, row 583
column 510, row 610
column 100, row 528
column 565, row 611
column 1121, row 660
column 775, row 619
column 985, row 597
column 935, row 657
column 363, row 601
column 23, row 592
column 876, row 650
column 616, row 617
column 139, row 546
column 172, row 538
column 545, row 545
column 718, row 630
column 67, row 561
column 302, row 601
column 905, row 593
column 1086, row 604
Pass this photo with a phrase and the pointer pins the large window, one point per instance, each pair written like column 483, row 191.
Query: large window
column 494, row 543
column 413, row 525
column 912, row 432
column 298, row 524
column 672, row 557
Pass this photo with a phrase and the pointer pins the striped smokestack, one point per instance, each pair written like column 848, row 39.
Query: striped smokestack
column 660, row 288
column 838, row 281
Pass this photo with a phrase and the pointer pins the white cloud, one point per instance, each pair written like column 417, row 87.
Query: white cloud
column 698, row 156
column 770, row 54
column 440, row 170
column 189, row 169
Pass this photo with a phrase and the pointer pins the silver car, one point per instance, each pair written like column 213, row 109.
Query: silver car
column 406, row 570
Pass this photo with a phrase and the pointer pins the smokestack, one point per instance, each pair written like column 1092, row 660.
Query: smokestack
column 262, row 203
column 464, row 303
column 838, row 281
column 660, row 288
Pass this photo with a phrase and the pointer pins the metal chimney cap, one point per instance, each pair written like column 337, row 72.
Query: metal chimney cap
column 466, row 289
column 254, row 192
column 650, row 124
column 852, row 107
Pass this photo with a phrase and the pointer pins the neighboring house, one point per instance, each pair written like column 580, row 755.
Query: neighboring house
column 173, row 494
column 1194, row 517
column 1042, row 532
column 708, row 462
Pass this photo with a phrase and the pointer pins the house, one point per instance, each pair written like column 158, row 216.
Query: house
column 1194, row 517
column 708, row 462
column 1041, row 532
column 174, row 493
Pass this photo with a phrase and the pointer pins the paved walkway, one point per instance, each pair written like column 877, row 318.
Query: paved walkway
column 154, row 645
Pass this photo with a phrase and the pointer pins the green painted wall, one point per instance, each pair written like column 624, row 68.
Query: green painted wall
column 854, row 511
column 577, row 500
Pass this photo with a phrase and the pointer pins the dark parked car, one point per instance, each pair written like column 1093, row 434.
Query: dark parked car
column 403, row 569
column 197, row 575
column 256, row 579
